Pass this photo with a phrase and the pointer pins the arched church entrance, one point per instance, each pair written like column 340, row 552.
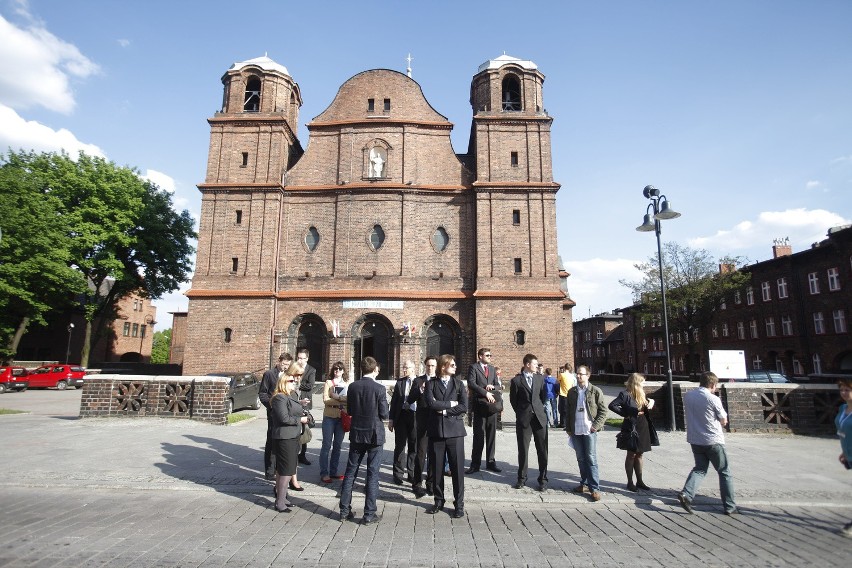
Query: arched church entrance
column 373, row 337
column 443, row 337
column 311, row 334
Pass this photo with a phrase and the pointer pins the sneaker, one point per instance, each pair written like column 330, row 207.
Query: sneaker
column 579, row 489
column 596, row 496
column 846, row 530
column 684, row 502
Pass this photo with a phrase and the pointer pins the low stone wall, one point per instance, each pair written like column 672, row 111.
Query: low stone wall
column 191, row 398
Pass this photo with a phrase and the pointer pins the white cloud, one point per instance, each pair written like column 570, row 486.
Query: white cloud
column 594, row 287
column 842, row 160
column 162, row 180
column 19, row 134
column 802, row 226
column 812, row 184
column 36, row 67
column 124, row 42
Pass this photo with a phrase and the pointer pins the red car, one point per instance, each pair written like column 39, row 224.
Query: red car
column 58, row 376
column 13, row 378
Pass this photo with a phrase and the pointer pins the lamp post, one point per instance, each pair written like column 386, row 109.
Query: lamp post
column 68, row 349
column 148, row 321
column 661, row 211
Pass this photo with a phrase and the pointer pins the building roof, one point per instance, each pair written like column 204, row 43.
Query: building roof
column 504, row 59
column 263, row 62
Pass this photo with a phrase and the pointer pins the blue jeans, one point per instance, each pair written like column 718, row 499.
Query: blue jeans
column 704, row 456
column 550, row 409
column 587, row 460
column 332, row 429
column 371, row 485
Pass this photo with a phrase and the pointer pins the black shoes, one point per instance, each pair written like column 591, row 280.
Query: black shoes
column 630, row 486
column 434, row 509
column 270, row 476
column 471, row 469
column 458, row 514
column 371, row 520
column 429, row 490
column 304, row 461
column 493, row 467
column 642, row 486
column 294, row 488
column 418, row 492
column 350, row 516
column 542, row 486
column 684, row 502
column 518, row 485
column 397, row 480
column 286, row 510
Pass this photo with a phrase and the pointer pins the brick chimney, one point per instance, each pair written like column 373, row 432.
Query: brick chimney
column 781, row 248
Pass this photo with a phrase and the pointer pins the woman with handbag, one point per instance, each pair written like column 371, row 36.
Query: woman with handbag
column 334, row 397
column 637, row 431
column 288, row 418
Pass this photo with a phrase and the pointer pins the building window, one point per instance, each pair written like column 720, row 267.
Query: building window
column 740, row 330
column 782, row 287
column 819, row 323
column 738, row 297
column 126, row 332
column 756, row 363
column 839, row 321
column 239, row 217
column 752, row 328
column 817, row 364
column 797, row 367
column 715, row 331
column 770, row 327
column 645, row 367
column 252, row 100
column 520, row 337
column 312, row 238
column 135, row 332
column 518, row 266
column 600, row 335
column 135, row 305
column 833, row 279
column 514, row 159
column 387, row 105
column 516, row 216
column 235, row 264
column 766, row 291
column 371, row 105
column 786, row 325
column 440, row 239
column 813, row 283
column 245, row 160
column 227, row 334
column 722, row 306
column 511, row 94
column 725, row 332
column 644, row 344
column 377, row 237
column 750, row 296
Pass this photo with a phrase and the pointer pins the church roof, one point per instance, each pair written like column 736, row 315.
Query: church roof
column 263, row 62
column 504, row 59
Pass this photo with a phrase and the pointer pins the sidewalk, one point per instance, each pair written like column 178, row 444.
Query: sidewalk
column 156, row 492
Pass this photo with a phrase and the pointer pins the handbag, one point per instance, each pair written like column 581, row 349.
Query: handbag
column 345, row 420
column 493, row 407
column 628, row 440
column 306, row 435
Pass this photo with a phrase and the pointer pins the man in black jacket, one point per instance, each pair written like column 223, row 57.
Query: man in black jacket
column 421, row 416
column 267, row 387
column 403, row 424
column 306, row 392
column 484, row 387
column 527, row 394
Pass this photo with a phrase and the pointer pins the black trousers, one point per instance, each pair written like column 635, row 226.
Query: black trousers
column 269, row 448
column 562, row 407
column 538, row 433
column 405, row 434
column 454, row 449
column 422, row 442
column 484, row 436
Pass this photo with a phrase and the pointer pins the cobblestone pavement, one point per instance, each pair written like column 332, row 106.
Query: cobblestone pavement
column 156, row 492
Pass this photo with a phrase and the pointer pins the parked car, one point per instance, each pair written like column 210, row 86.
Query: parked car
column 244, row 391
column 13, row 378
column 57, row 376
column 761, row 376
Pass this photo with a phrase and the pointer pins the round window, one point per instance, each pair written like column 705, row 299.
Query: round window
column 312, row 239
column 377, row 237
column 440, row 239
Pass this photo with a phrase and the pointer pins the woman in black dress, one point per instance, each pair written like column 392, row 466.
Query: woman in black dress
column 287, row 419
column 633, row 405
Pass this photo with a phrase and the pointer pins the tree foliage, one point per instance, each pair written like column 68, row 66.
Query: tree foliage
column 161, row 348
column 116, row 231
column 697, row 285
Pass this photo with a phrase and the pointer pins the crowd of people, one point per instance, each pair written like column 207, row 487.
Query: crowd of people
column 426, row 414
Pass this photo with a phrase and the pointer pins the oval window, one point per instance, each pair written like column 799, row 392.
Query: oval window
column 312, row 239
column 377, row 237
column 440, row 239
column 520, row 337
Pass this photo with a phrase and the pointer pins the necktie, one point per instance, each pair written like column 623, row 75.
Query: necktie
column 444, row 385
column 529, row 381
column 485, row 368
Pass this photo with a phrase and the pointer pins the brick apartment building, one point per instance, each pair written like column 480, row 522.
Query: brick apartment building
column 793, row 317
column 599, row 343
column 378, row 239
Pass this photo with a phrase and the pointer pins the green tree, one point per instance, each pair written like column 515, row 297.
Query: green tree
column 696, row 287
column 161, row 348
column 123, row 235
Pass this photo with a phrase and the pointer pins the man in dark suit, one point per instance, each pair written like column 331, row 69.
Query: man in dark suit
column 421, row 417
column 402, row 424
column 527, row 394
column 483, row 384
column 306, row 392
column 446, row 398
column 367, row 402
column 267, row 387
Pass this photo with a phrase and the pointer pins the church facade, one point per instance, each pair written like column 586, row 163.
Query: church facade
column 377, row 239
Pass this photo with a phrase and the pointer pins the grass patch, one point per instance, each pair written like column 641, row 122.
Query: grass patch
column 614, row 422
column 233, row 418
column 10, row 411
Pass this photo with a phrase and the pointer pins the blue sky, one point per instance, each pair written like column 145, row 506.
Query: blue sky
column 739, row 111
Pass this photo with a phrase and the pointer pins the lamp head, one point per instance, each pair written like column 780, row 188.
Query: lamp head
column 666, row 212
column 648, row 224
column 650, row 191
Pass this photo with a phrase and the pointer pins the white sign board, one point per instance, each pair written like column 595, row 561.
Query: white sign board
column 373, row 305
column 728, row 364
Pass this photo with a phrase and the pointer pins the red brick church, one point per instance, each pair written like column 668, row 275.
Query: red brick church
column 379, row 239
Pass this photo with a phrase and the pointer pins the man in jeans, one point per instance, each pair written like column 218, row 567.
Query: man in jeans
column 585, row 416
column 705, row 423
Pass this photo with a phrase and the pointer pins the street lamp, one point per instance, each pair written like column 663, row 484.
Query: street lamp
column 661, row 211
column 68, row 350
column 148, row 321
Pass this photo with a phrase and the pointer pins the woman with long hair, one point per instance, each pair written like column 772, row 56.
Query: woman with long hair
column 843, row 421
column 287, row 419
column 633, row 405
column 334, row 397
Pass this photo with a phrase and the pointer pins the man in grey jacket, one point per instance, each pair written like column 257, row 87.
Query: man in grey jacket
column 584, row 418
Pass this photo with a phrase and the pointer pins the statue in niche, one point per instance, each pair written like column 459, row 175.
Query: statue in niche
column 377, row 162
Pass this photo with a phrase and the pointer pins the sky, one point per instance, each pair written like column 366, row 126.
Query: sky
column 739, row 111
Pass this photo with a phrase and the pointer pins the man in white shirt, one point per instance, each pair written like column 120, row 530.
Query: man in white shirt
column 705, row 423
